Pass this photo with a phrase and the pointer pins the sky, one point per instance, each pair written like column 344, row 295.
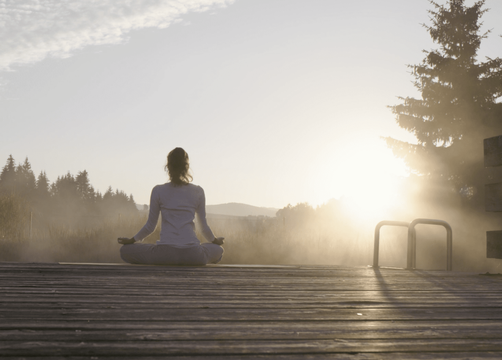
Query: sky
column 277, row 102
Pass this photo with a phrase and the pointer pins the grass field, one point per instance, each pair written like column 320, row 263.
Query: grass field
column 258, row 240
column 249, row 240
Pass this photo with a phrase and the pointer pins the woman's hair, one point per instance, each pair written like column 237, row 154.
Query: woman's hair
column 178, row 167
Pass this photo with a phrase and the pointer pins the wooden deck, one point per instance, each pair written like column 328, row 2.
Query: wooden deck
column 232, row 312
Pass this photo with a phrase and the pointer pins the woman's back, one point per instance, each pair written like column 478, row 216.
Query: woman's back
column 178, row 205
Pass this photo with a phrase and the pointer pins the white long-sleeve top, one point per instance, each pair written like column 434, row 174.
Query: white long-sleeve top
column 178, row 205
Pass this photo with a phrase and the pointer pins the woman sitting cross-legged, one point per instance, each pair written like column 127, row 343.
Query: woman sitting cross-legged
column 177, row 201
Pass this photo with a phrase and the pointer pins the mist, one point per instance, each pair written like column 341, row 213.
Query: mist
column 69, row 221
column 336, row 234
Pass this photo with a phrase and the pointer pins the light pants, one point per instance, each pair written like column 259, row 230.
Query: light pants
column 151, row 254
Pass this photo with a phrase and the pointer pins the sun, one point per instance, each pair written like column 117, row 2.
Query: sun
column 364, row 175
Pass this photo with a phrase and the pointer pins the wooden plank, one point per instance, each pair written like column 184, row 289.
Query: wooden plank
column 331, row 356
column 440, row 300
column 304, row 356
column 136, row 331
column 493, row 151
column 226, row 347
column 276, row 290
column 171, row 277
column 295, row 313
column 206, row 313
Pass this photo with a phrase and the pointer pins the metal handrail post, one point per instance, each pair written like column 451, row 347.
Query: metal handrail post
column 449, row 247
column 411, row 262
column 412, row 242
column 376, row 247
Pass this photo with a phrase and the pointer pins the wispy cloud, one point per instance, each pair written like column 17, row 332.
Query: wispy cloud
column 31, row 30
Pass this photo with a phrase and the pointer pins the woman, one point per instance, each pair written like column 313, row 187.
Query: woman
column 177, row 201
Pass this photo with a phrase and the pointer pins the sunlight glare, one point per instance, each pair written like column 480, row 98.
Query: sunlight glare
column 364, row 175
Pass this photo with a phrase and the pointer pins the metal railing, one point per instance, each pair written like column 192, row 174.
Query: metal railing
column 376, row 248
column 412, row 241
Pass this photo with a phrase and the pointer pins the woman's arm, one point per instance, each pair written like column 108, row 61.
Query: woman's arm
column 201, row 217
column 153, row 217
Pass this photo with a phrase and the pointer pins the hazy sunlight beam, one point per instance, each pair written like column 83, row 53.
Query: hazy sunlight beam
column 363, row 173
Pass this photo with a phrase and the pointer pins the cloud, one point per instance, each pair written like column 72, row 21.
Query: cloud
column 31, row 30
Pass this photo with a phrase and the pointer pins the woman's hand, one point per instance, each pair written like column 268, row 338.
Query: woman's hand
column 218, row 241
column 126, row 241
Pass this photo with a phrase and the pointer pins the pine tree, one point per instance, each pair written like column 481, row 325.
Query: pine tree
column 25, row 180
column 132, row 203
column 42, row 185
column 459, row 105
column 108, row 195
column 83, row 185
column 65, row 198
column 42, row 200
column 65, row 188
column 8, row 176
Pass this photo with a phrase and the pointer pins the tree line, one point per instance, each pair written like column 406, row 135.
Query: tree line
column 69, row 201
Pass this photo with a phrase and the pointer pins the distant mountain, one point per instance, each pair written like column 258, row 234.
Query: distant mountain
column 236, row 209
column 142, row 207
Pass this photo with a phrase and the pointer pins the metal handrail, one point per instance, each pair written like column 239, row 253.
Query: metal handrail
column 376, row 248
column 412, row 242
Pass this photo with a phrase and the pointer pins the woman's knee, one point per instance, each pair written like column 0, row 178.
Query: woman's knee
column 133, row 253
column 125, row 253
column 214, row 253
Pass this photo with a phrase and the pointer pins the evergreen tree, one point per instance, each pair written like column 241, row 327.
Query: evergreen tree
column 25, row 180
column 42, row 198
column 108, row 195
column 132, row 203
column 83, row 185
column 65, row 188
column 8, row 176
column 459, row 105
column 65, row 199
column 42, row 185
column 70, row 200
